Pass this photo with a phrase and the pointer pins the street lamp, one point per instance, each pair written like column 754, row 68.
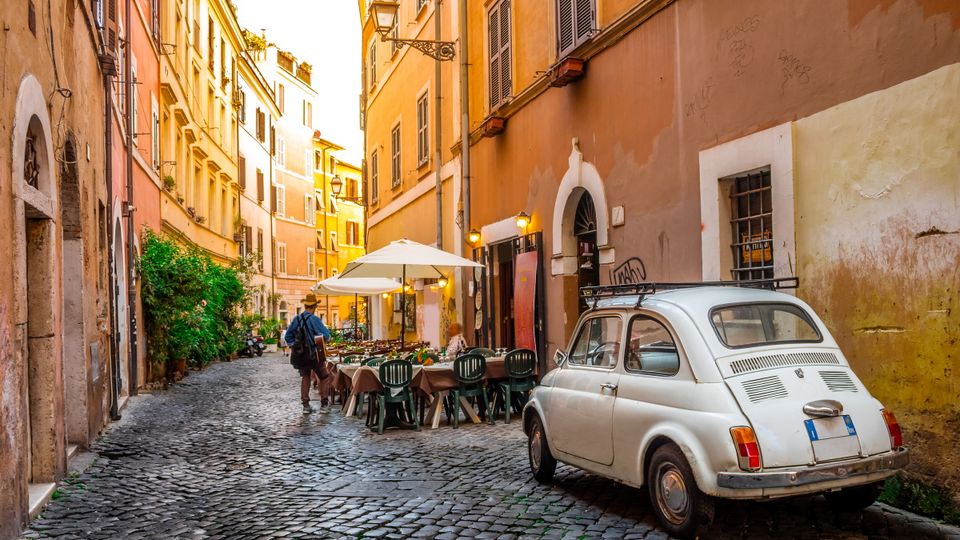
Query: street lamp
column 523, row 220
column 384, row 14
column 474, row 236
column 336, row 187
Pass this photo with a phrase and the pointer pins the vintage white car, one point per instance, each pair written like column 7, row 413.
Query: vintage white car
column 710, row 391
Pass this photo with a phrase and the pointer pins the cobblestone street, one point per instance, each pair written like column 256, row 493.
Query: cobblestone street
column 227, row 453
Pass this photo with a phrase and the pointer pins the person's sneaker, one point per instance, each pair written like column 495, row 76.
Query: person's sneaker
column 307, row 409
column 324, row 410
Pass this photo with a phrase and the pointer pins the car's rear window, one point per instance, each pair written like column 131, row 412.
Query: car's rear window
column 746, row 325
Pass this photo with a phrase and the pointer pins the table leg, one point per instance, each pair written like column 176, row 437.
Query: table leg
column 351, row 405
column 435, row 409
column 469, row 408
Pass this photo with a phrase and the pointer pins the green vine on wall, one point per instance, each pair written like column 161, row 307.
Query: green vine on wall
column 191, row 304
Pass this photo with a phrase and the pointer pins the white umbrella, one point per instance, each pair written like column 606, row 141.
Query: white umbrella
column 402, row 259
column 367, row 286
column 340, row 286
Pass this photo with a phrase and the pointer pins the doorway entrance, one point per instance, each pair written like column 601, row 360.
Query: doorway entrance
column 588, row 256
column 497, row 311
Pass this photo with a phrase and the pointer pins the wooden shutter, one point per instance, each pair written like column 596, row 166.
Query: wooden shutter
column 259, row 186
column 273, row 141
column 248, row 238
column 506, row 77
column 498, row 25
column 493, row 26
column 273, row 199
column 584, row 19
column 242, row 172
column 565, row 31
column 575, row 24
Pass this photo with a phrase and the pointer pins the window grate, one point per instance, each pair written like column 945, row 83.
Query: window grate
column 751, row 211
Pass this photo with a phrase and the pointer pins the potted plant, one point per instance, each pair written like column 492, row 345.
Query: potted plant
column 169, row 183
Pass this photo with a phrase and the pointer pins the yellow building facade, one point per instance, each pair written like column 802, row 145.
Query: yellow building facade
column 399, row 116
column 340, row 224
column 198, row 122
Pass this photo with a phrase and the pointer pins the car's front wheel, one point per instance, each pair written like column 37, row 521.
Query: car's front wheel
column 855, row 498
column 542, row 462
column 681, row 507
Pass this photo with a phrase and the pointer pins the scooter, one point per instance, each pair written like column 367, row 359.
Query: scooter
column 253, row 345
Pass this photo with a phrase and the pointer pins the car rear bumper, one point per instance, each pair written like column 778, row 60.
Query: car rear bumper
column 872, row 467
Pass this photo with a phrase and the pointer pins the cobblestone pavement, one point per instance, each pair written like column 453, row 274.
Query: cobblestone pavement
column 227, row 453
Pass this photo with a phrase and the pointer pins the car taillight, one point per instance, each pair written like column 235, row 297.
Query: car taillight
column 748, row 450
column 893, row 427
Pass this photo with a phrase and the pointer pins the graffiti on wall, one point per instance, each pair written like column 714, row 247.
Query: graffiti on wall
column 631, row 271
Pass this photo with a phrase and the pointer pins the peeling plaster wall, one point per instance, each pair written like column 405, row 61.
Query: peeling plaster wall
column 878, row 236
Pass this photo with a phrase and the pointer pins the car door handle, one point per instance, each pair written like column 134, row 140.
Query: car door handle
column 608, row 386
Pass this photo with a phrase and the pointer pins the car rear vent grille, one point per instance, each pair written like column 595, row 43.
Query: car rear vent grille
column 838, row 381
column 757, row 363
column 765, row 388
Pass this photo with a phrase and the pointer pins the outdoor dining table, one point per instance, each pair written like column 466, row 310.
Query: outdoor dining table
column 437, row 379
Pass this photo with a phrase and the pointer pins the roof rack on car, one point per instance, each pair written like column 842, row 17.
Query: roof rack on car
column 593, row 294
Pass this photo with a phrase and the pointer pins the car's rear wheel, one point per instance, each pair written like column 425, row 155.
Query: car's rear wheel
column 542, row 462
column 681, row 507
column 855, row 498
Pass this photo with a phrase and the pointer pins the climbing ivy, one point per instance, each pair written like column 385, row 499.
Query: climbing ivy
column 191, row 304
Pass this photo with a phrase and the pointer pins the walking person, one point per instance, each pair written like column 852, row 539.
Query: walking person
column 306, row 335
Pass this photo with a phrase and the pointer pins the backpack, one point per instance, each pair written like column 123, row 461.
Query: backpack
column 302, row 355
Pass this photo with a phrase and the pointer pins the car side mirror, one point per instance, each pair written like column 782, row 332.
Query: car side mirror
column 559, row 357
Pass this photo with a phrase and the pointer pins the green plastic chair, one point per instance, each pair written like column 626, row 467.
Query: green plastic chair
column 519, row 364
column 353, row 358
column 395, row 374
column 469, row 370
column 372, row 361
column 482, row 351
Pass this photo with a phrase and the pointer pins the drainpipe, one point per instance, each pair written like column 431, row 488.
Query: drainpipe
column 464, row 116
column 108, row 174
column 131, row 234
column 273, row 249
column 326, row 233
column 439, row 138
column 464, row 130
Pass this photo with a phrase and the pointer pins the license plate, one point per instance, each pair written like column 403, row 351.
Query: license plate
column 830, row 428
column 833, row 438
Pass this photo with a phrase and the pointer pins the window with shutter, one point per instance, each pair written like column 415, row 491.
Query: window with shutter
column 259, row 186
column 242, row 172
column 423, row 142
column 248, row 239
column 576, row 21
column 375, row 176
column 281, row 200
column 500, row 68
column 273, row 199
column 395, row 171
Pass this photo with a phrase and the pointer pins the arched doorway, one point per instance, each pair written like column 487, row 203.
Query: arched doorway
column 42, row 453
column 580, row 233
column 588, row 254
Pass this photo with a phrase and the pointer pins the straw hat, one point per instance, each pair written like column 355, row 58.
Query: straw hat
column 310, row 300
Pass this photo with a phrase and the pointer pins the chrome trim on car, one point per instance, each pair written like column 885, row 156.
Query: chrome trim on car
column 825, row 473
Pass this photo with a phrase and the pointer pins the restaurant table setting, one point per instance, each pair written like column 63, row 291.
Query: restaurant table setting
column 432, row 381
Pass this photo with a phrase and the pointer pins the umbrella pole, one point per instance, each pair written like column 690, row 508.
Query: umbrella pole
column 356, row 316
column 403, row 307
